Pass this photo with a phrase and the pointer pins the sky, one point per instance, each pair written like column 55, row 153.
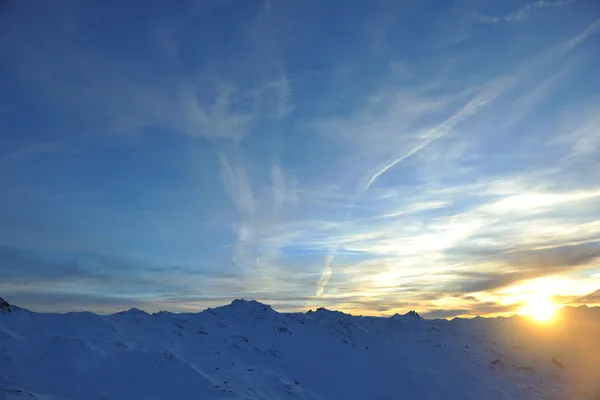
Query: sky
column 366, row 156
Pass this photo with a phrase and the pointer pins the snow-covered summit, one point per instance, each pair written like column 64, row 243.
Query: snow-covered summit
column 247, row 350
column 133, row 311
column 249, row 305
column 412, row 315
column 6, row 307
column 322, row 311
column 245, row 308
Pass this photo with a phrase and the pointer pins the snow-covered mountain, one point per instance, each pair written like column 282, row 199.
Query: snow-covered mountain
column 246, row 350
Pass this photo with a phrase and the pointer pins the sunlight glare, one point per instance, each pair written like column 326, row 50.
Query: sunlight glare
column 540, row 309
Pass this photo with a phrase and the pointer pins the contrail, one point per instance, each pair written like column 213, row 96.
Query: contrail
column 477, row 102
column 473, row 106
column 371, row 177
column 326, row 274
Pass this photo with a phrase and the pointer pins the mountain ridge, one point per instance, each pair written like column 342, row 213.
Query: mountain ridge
column 256, row 305
column 247, row 350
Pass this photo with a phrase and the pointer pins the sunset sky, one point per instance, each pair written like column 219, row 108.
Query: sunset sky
column 366, row 156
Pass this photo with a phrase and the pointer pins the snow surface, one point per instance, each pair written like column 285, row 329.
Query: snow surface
column 246, row 350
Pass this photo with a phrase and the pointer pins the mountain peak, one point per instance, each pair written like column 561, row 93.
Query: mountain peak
column 242, row 307
column 162, row 313
column 411, row 315
column 133, row 311
column 6, row 307
column 249, row 304
column 322, row 311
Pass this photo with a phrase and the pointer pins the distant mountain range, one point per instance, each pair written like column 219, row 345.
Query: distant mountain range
column 247, row 350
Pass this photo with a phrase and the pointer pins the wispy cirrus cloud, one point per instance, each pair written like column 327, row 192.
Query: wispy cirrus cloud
column 481, row 99
column 441, row 165
column 522, row 12
column 104, row 91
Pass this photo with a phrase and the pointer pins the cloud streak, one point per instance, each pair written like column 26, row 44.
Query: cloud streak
column 479, row 101
column 182, row 159
column 522, row 12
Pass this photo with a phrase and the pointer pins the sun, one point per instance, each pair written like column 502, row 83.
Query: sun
column 540, row 309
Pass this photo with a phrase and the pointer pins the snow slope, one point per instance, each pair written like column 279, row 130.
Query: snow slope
column 246, row 350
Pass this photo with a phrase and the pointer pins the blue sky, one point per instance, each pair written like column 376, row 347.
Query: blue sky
column 371, row 157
